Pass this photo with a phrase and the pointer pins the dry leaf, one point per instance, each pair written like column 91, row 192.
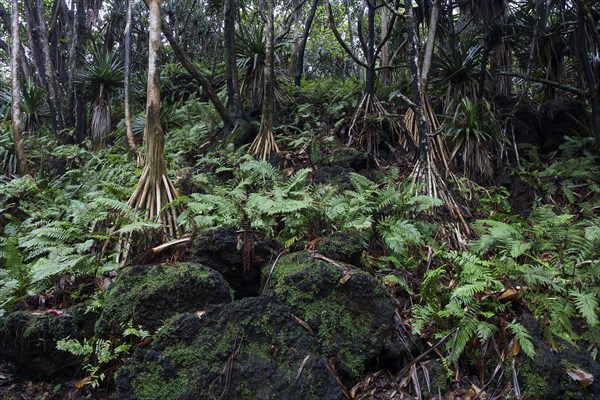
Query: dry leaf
column 82, row 382
column 582, row 377
column 515, row 349
column 509, row 294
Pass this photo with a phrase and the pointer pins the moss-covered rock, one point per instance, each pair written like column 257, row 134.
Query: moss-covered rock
column 223, row 250
column 28, row 341
column 252, row 349
column 149, row 295
column 348, row 309
column 342, row 247
column 545, row 376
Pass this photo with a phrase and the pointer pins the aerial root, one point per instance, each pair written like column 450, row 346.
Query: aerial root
column 366, row 122
column 263, row 144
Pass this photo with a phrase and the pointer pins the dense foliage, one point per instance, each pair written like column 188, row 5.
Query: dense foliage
column 466, row 167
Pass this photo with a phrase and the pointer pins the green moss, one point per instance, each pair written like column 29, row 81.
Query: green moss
column 305, row 284
column 534, row 384
column 179, row 288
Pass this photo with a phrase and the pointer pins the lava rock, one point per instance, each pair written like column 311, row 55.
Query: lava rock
column 249, row 349
column 222, row 249
column 545, row 376
column 348, row 309
column 28, row 341
column 148, row 295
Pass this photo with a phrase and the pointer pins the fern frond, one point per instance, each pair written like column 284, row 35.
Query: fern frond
column 523, row 338
column 587, row 305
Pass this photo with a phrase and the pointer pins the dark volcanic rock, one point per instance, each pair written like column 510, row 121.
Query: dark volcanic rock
column 148, row 295
column 348, row 309
column 251, row 349
column 545, row 376
column 223, row 250
column 28, row 341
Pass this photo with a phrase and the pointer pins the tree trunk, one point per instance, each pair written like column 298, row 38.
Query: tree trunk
column 133, row 153
column 153, row 133
column 302, row 47
column 384, row 75
column 16, row 92
column 417, row 86
column 196, row 74
column 435, row 12
column 234, row 102
column 155, row 192
column 370, row 56
column 50, row 70
column 293, row 61
column 588, row 73
column 264, row 143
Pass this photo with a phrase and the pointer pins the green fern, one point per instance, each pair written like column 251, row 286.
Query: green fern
column 587, row 305
column 523, row 337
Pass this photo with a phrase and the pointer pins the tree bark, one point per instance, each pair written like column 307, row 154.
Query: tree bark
column 22, row 168
column 293, row 61
column 302, row 46
column 588, row 72
column 234, row 101
column 384, row 75
column 370, row 54
column 435, row 12
column 127, row 78
column 417, row 85
column 264, row 143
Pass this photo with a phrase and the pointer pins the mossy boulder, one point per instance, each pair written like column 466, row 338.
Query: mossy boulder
column 546, row 375
column 28, row 341
column 249, row 349
column 148, row 295
column 348, row 309
column 342, row 247
column 224, row 250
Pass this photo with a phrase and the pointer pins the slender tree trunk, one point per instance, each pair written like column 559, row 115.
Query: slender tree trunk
column 234, row 101
column 153, row 133
column 133, row 153
column 264, row 143
column 34, row 44
column 355, row 68
column 370, row 56
column 384, row 60
column 435, row 12
column 79, row 102
column 417, row 85
column 302, row 47
column 196, row 74
column 51, row 72
column 293, row 61
column 486, row 47
column 16, row 92
column 588, row 72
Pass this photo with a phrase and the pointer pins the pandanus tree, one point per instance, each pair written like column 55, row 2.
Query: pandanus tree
column 370, row 116
column 264, row 143
column 426, row 173
column 155, row 193
column 104, row 73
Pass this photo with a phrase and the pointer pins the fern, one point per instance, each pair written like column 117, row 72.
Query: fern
column 587, row 305
column 523, row 338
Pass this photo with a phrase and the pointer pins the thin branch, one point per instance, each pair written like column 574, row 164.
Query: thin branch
column 561, row 86
column 339, row 38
